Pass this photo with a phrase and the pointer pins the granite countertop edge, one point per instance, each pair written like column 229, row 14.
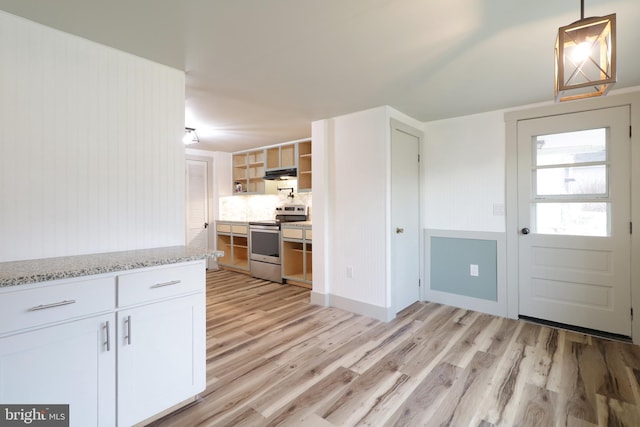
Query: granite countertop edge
column 16, row 273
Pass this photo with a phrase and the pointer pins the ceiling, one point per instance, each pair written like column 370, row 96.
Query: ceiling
column 258, row 72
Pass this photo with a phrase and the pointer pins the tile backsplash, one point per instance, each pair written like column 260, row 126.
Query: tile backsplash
column 256, row 207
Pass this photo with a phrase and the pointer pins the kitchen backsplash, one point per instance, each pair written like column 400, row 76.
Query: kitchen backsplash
column 256, row 207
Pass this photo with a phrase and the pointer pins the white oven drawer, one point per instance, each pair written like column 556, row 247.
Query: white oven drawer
column 41, row 305
column 160, row 282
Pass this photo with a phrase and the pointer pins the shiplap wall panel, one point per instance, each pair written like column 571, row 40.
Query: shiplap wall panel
column 358, row 209
column 91, row 158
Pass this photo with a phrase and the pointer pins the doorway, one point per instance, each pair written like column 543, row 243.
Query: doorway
column 405, row 215
column 199, row 198
column 574, row 217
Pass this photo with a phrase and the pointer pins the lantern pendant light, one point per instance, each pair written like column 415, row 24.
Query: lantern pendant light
column 585, row 57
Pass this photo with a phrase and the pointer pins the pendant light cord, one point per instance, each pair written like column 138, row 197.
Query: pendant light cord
column 581, row 10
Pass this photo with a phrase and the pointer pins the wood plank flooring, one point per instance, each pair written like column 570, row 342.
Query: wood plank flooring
column 274, row 359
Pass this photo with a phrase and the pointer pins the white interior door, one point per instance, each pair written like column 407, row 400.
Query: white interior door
column 574, row 219
column 197, row 216
column 405, row 216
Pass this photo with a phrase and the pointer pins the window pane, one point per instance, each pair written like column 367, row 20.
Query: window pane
column 577, row 219
column 571, row 147
column 583, row 180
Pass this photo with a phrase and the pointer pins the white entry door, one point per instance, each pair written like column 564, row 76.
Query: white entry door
column 574, row 219
column 197, row 216
column 405, row 215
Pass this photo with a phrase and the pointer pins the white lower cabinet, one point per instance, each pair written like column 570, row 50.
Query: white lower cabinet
column 161, row 356
column 71, row 363
column 115, row 361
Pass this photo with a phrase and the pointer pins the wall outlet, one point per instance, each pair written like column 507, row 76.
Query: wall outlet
column 349, row 272
column 473, row 270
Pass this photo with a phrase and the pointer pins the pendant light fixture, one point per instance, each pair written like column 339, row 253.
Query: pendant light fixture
column 585, row 57
column 190, row 136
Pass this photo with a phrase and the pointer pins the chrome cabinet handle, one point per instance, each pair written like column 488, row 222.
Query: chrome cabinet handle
column 128, row 336
column 107, row 342
column 161, row 285
column 525, row 230
column 54, row 304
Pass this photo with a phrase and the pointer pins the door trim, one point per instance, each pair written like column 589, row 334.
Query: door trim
column 511, row 197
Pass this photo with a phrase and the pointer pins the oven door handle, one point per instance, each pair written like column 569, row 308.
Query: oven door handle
column 264, row 229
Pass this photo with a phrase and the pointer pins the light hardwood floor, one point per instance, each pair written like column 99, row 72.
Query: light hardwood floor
column 274, row 359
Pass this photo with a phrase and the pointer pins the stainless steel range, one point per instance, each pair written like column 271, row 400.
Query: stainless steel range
column 264, row 241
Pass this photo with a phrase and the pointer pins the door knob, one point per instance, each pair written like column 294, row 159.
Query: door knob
column 525, row 230
column 206, row 225
column 399, row 230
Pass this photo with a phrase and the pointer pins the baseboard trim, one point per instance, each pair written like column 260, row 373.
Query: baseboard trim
column 384, row 314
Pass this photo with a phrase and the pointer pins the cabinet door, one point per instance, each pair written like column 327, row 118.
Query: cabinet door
column 161, row 356
column 64, row 364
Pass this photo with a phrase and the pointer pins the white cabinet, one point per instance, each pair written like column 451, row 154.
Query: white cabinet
column 54, row 349
column 114, row 362
column 161, row 340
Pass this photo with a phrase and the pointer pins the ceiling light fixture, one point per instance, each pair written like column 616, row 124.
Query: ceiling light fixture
column 585, row 57
column 190, row 136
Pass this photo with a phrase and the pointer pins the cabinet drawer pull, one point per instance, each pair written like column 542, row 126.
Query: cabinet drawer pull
column 107, row 343
column 128, row 335
column 162, row 285
column 54, row 304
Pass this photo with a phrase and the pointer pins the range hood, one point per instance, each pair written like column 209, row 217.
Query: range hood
column 280, row 174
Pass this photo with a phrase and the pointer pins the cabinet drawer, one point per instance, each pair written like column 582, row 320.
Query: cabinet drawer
column 308, row 234
column 160, row 282
column 223, row 228
column 239, row 229
column 28, row 308
column 292, row 233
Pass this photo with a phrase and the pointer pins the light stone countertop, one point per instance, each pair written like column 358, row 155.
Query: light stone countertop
column 42, row 270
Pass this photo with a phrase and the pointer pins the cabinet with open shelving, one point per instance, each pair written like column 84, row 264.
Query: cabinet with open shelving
column 232, row 238
column 297, row 250
column 249, row 167
column 304, row 166
column 248, row 171
column 281, row 156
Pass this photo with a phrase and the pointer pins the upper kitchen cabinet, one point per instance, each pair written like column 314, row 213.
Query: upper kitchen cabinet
column 281, row 157
column 248, row 171
column 250, row 167
column 304, row 166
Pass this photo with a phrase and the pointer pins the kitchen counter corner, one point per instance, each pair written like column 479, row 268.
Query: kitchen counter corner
column 15, row 273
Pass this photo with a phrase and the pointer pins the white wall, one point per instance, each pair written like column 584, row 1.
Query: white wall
column 351, row 187
column 90, row 142
column 464, row 173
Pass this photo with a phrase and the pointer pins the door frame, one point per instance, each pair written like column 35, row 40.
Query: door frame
column 631, row 99
column 211, row 241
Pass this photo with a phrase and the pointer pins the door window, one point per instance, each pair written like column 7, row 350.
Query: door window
column 570, row 194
